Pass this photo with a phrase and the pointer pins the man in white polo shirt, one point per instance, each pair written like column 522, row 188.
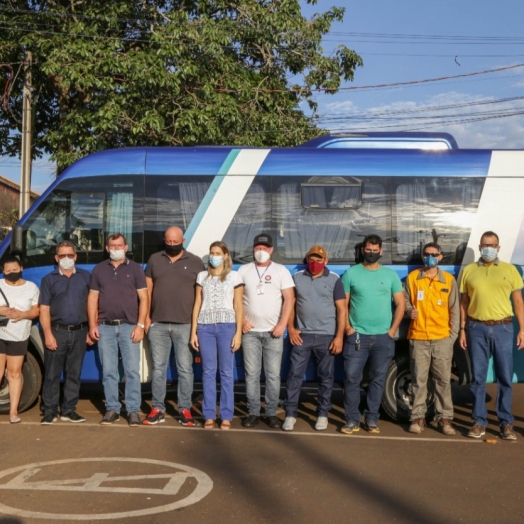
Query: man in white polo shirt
column 268, row 301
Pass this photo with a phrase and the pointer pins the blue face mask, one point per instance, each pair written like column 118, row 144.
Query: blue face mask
column 489, row 253
column 216, row 260
column 430, row 261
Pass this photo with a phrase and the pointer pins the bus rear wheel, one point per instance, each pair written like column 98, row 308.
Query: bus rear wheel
column 396, row 400
column 31, row 384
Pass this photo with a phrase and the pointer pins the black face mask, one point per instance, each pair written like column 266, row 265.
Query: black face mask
column 13, row 277
column 371, row 258
column 174, row 250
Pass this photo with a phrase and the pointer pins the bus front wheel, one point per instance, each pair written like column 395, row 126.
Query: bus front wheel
column 31, row 384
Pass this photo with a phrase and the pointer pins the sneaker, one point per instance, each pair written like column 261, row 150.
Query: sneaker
column 186, row 419
column 371, row 427
column 322, row 424
column 72, row 416
column 445, row 426
column 134, row 419
column 110, row 417
column 155, row 417
column 48, row 419
column 477, row 431
column 350, row 428
column 289, row 424
column 507, row 432
column 417, row 425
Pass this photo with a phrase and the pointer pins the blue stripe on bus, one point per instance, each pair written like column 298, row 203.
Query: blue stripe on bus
column 210, row 194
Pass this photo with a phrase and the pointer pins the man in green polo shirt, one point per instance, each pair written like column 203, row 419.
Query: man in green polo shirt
column 486, row 328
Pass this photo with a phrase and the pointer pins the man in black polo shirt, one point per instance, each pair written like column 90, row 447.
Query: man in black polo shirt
column 171, row 273
column 117, row 307
column 63, row 317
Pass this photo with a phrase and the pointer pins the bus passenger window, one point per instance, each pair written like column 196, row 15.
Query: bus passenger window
column 434, row 209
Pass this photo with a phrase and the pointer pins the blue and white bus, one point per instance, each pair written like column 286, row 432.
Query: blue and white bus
column 408, row 188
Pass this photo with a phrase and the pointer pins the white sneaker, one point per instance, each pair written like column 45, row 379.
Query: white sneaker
column 322, row 424
column 289, row 424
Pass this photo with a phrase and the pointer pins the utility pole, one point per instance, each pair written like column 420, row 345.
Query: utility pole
column 27, row 135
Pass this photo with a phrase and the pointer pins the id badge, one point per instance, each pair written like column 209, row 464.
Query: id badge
column 260, row 289
column 420, row 295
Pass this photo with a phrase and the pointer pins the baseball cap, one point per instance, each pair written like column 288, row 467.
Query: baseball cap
column 317, row 250
column 264, row 239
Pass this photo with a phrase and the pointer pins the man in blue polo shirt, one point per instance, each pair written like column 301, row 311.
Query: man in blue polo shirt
column 318, row 329
column 63, row 317
column 117, row 308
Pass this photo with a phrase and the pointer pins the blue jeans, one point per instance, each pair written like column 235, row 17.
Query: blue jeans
column 214, row 341
column 261, row 347
column 379, row 350
column 484, row 341
column 161, row 338
column 318, row 346
column 113, row 338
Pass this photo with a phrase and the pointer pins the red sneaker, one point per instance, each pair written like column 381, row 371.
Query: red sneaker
column 186, row 419
column 155, row 416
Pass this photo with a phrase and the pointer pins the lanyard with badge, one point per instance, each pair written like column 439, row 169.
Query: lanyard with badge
column 260, row 287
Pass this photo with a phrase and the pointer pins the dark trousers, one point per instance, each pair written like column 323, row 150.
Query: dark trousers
column 379, row 350
column 318, row 346
column 68, row 357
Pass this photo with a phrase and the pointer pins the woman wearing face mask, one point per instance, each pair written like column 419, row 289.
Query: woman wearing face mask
column 19, row 303
column 216, row 331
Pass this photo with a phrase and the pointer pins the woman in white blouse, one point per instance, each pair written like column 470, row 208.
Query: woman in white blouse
column 19, row 303
column 216, row 331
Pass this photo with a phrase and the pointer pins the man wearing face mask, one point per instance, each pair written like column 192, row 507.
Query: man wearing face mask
column 117, row 307
column 268, row 301
column 318, row 329
column 370, row 288
column 432, row 304
column 171, row 273
column 63, row 318
column 486, row 329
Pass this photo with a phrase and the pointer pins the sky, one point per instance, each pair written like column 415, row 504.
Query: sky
column 415, row 40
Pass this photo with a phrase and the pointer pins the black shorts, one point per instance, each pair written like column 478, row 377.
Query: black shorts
column 13, row 348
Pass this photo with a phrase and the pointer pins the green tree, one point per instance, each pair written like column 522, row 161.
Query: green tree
column 120, row 73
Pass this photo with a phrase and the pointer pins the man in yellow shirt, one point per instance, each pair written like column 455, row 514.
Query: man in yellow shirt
column 486, row 329
column 432, row 304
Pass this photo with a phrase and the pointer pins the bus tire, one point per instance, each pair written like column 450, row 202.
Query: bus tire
column 31, row 384
column 396, row 400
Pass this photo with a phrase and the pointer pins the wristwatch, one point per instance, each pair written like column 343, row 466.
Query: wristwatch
column 140, row 325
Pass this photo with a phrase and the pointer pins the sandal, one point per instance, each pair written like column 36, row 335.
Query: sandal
column 210, row 424
column 226, row 424
column 14, row 419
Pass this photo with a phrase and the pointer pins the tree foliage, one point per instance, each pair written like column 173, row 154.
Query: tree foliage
column 121, row 73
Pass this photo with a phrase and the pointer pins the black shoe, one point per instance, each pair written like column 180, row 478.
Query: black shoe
column 110, row 417
column 48, row 419
column 72, row 416
column 274, row 422
column 250, row 421
column 134, row 419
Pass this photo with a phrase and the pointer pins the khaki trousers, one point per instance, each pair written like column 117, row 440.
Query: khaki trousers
column 431, row 356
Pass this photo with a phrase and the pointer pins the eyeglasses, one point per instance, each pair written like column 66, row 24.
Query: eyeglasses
column 431, row 254
column 69, row 255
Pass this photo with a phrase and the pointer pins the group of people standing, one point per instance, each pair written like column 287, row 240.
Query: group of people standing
column 178, row 303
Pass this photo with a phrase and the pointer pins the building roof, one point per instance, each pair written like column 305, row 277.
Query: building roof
column 13, row 185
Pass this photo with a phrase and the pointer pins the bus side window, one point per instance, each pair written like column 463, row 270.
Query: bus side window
column 434, row 209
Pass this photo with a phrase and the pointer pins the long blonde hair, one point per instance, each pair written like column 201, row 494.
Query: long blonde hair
column 227, row 264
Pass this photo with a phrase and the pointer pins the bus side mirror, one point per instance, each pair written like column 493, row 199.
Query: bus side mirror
column 17, row 240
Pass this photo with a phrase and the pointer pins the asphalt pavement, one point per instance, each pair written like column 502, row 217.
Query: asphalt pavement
column 167, row 473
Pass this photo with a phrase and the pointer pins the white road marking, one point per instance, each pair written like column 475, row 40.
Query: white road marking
column 94, row 483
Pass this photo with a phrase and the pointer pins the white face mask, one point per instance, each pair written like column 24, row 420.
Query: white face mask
column 117, row 254
column 66, row 263
column 262, row 256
